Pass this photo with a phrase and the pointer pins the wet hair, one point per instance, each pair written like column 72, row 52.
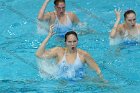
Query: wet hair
column 57, row 1
column 69, row 33
column 128, row 12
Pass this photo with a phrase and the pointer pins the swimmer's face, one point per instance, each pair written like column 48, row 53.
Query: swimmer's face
column 60, row 8
column 130, row 20
column 71, row 41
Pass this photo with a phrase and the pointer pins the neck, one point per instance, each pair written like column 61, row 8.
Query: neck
column 70, row 51
column 60, row 15
column 129, row 27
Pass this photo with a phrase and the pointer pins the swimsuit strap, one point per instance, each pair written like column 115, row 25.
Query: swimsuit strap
column 64, row 57
column 56, row 18
column 77, row 60
column 67, row 19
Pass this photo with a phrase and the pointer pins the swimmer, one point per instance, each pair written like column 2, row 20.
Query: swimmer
column 63, row 21
column 70, row 59
column 128, row 31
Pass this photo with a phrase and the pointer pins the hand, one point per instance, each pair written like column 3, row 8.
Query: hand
column 118, row 13
column 51, row 33
column 102, row 79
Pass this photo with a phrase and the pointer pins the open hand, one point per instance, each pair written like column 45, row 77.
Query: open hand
column 118, row 13
column 51, row 32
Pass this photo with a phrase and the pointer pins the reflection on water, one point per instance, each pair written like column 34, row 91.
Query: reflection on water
column 53, row 86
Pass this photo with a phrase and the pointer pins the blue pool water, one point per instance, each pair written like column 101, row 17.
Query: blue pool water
column 19, row 40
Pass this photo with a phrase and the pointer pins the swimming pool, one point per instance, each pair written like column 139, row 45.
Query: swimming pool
column 19, row 41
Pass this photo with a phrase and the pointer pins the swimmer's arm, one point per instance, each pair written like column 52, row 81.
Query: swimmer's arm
column 75, row 18
column 114, row 31
column 41, row 15
column 51, row 53
column 90, row 61
column 41, row 50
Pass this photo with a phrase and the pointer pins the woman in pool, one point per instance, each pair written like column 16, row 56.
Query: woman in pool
column 63, row 21
column 70, row 59
column 128, row 31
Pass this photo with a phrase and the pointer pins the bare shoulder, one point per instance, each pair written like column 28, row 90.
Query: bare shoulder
column 53, row 52
column 138, row 25
column 57, row 49
column 73, row 18
column 71, row 14
column 83, row 53
column 50, row 14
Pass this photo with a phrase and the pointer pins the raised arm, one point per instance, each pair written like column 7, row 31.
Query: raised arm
column 41, row 15
column 41, row 52
column 113, row 33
